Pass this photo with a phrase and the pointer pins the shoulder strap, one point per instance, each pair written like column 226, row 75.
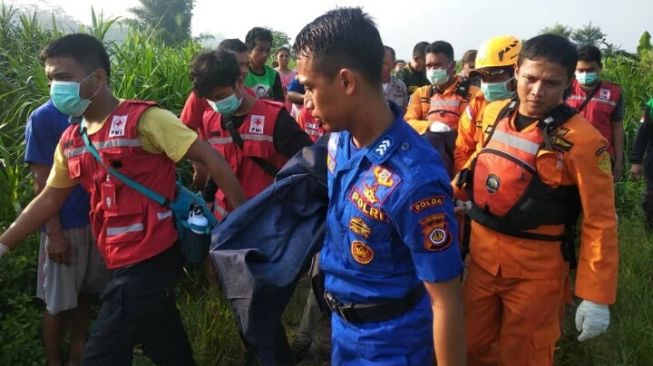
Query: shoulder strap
column 125, row 179
column 463, row 86
column 558, row 116
column 506, row 111
column 238, row 140
column 589, row 97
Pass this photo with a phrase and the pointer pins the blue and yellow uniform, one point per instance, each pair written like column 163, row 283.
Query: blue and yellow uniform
column 391, row 227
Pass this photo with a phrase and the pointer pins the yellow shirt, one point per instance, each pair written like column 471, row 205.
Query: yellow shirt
column 159, row 132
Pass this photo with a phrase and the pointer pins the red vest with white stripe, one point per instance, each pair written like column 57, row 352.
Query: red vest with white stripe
column 133, row 228
column 599, row 109
column 257, row 132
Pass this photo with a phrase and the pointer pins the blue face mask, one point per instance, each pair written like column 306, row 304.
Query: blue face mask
column 587, row 78
column 497, row 91
column 226, row 106
column 65, row 97
column 437, row 76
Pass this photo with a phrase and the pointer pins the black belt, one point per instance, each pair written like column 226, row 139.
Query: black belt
column 375, row 312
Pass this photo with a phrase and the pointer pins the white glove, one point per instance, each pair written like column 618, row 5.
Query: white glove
column 462, row 207
column 591, row 319
column 3, row 249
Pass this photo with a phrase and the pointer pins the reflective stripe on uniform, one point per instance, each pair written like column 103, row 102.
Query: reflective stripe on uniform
column 445, row 102
column 220, row 211
column 113, row 231
column 516, row 142
column 70, row 153
column 245, row 137
column 163, row 215
column 594, row 99
column 220, row 140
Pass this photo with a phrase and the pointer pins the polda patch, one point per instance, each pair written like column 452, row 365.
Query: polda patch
column 426, row 203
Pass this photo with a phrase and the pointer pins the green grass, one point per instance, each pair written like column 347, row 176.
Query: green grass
column 629, row 338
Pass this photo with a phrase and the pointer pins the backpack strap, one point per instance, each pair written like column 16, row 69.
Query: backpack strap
column 589, row 97
column 462, row 89
column 506, row 111
column 558, row 116
column 163, row 201
column 238, row 140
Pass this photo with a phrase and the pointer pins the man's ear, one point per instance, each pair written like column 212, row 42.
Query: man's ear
column 101, row 77
column 348, row 80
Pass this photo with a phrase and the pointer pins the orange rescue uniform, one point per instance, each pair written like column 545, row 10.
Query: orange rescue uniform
column 428, row 99
column 470, row 134
column 515, row 286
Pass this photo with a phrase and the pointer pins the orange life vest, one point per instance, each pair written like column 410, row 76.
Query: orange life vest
column 447, row 109
column 503, row 183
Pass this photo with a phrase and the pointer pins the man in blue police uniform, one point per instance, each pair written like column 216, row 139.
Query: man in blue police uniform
column 391, row 259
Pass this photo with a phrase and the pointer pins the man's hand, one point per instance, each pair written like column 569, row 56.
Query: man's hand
column 591, row 319
column 618, row 171
column 462, row 207
column 59, row 248
column 199, row 175
column 636, row 171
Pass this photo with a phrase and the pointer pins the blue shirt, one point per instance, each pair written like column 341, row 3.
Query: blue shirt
column 44, row 128
column 390, row 220
column 296, row 86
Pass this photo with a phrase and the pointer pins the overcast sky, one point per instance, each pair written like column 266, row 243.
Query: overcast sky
column 464, row 23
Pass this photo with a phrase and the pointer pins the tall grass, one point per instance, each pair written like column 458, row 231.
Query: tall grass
column 146, row 69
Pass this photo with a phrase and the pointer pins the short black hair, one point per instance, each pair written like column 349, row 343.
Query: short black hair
column 283, row 48
column 257, row 34
column 589, row 53
column 442, row 47
column 211, row 69
column 391, row 50
column 86, row 50
column 552, row 48
column 400, row 61
column 343, row 38
column 420, row 49
column 233, row 45
column 469, row 56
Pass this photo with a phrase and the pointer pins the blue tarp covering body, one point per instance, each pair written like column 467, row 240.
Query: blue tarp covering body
column 262, row 248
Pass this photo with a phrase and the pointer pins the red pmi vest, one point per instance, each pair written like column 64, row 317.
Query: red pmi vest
column 128, row 226
column 599, row 109
column 257, row 132
column 312, row 127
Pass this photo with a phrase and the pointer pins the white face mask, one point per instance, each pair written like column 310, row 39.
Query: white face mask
column 437, row 76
